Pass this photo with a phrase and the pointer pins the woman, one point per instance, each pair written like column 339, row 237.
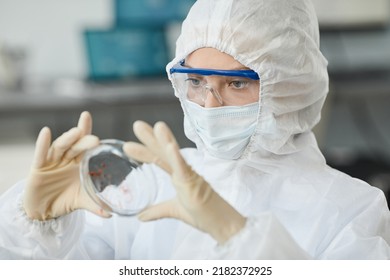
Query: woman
column 251, row 80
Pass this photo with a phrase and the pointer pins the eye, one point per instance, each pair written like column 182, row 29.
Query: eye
column 238, row 84
column 193, row 82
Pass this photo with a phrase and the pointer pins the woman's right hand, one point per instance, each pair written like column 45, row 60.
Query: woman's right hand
column 53, row 186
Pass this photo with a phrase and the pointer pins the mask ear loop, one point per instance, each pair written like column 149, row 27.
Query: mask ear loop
column 214, row 93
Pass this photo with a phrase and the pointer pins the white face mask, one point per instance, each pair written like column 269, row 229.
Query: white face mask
column 225, row 131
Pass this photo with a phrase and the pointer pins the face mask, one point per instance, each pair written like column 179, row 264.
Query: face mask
column 225, row 131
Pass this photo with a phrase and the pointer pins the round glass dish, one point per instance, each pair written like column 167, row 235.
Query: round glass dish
column 114, row 181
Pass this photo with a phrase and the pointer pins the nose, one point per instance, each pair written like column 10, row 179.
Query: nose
column 213, row 98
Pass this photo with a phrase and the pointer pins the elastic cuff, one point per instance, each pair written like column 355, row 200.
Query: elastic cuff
column 50, row 226
column 225, row 249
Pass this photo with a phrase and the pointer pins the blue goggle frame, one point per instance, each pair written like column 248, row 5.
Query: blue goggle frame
column 180, row 68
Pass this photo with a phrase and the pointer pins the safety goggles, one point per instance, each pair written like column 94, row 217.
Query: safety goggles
column 228, row 87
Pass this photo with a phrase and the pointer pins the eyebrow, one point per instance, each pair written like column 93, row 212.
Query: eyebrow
column 234, row 68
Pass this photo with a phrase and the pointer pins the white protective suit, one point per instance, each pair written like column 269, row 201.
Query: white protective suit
column 297, row 206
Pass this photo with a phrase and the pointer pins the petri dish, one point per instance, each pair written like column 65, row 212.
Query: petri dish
column 114, row 181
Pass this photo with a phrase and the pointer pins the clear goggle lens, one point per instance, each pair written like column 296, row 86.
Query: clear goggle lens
column 228, row 87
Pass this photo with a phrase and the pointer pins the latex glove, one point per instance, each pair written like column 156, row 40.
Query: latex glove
column 196, row 203
column 53, row 186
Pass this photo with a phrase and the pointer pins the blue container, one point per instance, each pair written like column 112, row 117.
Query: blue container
column 125, row 53
column 150, row 12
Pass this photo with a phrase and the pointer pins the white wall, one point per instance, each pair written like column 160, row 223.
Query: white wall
column 51, row 32
column 352, row 12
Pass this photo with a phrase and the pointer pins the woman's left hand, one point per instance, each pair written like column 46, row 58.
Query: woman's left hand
column 196, row 203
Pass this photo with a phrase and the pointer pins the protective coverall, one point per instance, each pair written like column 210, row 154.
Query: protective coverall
column 297, row 206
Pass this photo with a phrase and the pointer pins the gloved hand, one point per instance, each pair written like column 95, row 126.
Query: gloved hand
column 53, row 186
column 196, row 203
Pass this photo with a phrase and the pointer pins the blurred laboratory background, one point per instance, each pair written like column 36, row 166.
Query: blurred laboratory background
column 59, row 58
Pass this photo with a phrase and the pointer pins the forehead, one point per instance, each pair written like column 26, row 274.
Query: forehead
column 211, row 58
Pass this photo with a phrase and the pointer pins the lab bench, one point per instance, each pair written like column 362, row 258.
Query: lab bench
column 114, row 107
